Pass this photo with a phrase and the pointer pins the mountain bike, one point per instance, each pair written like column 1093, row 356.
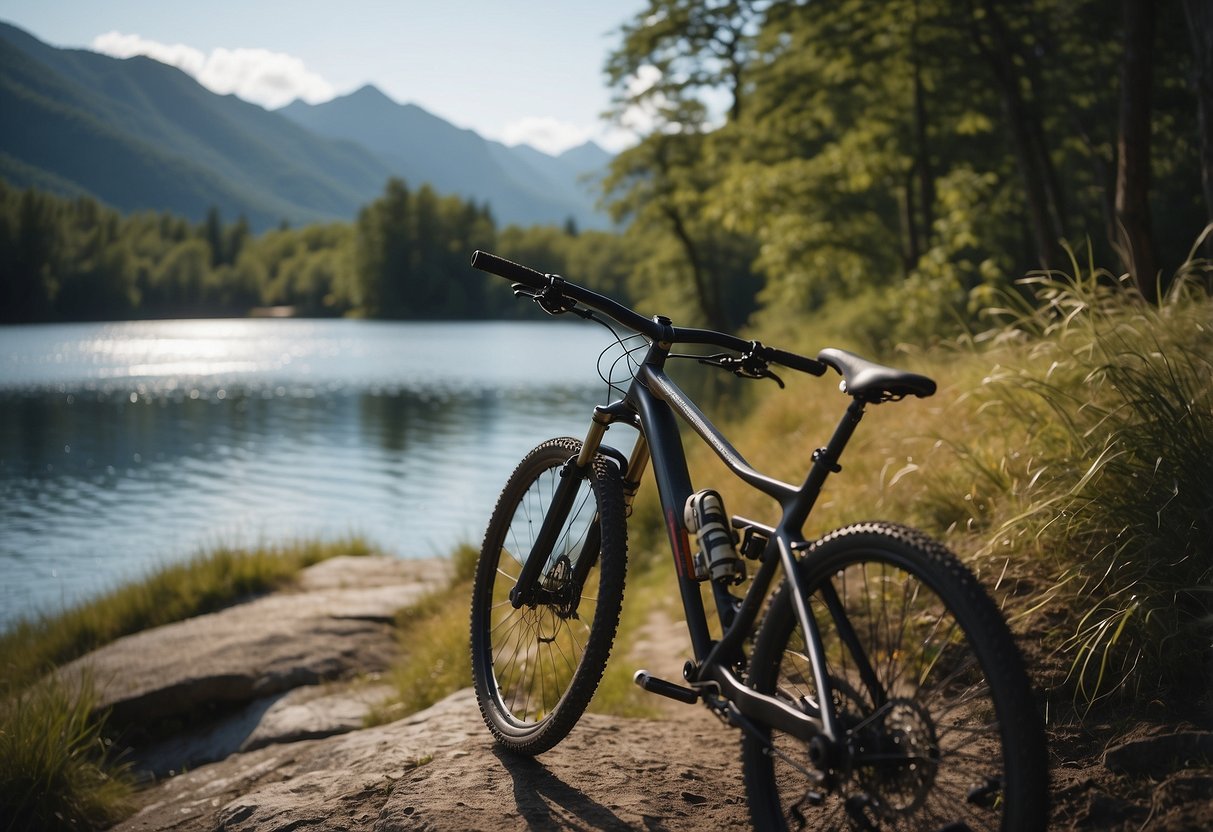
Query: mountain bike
column 876, row 686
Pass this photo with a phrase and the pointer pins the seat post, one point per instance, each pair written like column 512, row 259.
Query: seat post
column 825, row 462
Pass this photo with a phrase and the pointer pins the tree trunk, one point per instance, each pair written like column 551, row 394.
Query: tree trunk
column 1027, row 136
column 705, row 287
column 1200, row 25
column 1134, row 240
column 922, row 153
column 910, row 251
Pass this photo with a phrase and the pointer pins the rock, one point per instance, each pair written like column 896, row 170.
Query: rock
column 439, row 770
column 304, row 713
column 315, row 712
column 1160, row 754
column 336, row 622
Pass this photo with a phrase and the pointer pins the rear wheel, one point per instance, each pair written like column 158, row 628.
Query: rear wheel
column 940, row 729
column 535, row 667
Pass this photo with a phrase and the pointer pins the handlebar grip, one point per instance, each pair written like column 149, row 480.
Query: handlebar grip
column 796, row 362
column 508, row 269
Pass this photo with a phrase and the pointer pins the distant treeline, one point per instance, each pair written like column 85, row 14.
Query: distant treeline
column 406, row 256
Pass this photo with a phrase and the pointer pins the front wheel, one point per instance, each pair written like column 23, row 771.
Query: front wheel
column 939, row 727
column 536, row 665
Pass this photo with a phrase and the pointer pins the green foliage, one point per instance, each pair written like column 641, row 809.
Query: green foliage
column 411, row 255
column 56, row 768
column 918, row 155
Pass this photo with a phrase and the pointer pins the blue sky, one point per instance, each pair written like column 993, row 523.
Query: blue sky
column 524, row 70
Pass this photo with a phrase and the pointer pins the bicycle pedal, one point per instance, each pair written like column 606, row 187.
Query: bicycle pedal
column 668, row 689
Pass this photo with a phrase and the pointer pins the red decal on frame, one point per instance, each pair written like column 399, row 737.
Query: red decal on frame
column 683, row 564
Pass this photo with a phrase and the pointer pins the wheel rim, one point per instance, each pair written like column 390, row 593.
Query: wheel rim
column 925, row 751
column 536, row 650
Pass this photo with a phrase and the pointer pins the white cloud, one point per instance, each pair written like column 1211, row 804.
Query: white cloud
column 179, row 55
column 271, row 79
column 544, row 133
column 554, row 137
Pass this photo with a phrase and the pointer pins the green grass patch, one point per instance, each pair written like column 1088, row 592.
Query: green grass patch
column 650, row 586
column 433, row 635
column 173, row 592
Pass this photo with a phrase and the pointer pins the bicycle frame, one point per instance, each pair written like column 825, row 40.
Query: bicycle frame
column 650, row 404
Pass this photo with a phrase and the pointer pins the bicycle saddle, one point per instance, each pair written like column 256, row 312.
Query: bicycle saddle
column 874, row 382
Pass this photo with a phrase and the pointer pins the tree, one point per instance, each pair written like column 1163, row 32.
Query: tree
column 661, row 183
column 1134, row 237
column 679, row 50
column 674, row 55
column 1005, row 50
column 383, row 242
column 1199, row 16
column 30, row 279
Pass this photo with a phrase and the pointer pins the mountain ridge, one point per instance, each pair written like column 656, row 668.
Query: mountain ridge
column 522, row 184
column 141, row 135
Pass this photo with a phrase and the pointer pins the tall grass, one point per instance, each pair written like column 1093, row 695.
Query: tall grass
column 1113, row 399
column 56, row 769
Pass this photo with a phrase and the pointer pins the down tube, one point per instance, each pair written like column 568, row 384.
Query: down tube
column 674, row 486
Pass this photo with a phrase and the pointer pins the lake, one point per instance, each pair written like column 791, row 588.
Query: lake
column 124, row 446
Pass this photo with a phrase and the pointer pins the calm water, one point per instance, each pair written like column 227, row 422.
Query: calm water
column 124, row 446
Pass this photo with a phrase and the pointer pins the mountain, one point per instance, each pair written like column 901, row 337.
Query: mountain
column 523, row 185
column 138, row 134
column 141, row 135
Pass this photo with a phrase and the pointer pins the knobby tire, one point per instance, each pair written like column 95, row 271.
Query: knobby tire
column 535, row 668
column 940, row 719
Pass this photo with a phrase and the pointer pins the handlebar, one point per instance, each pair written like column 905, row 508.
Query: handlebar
column 655, row 328
column 508, row 269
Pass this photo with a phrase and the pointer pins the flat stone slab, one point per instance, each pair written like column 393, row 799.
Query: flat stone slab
column 304, row 713
column 336, row 622
column 439, row 770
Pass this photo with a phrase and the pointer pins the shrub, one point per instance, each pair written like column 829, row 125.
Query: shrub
column 1115, row 400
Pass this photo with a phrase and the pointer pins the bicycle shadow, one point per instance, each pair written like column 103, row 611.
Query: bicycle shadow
column 540, row 795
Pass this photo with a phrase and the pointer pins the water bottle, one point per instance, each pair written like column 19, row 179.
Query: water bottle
column 717, row 558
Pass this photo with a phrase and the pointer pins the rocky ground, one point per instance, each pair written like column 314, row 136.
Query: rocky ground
column 251, row 719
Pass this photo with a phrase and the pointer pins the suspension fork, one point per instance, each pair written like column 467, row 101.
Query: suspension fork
column 539, row 560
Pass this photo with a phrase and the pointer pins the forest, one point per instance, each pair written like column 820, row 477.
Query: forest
column 907, row 162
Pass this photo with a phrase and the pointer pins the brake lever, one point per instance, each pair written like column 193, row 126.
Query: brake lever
column 549, row 298
column 772, row 377
column 746, row 366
